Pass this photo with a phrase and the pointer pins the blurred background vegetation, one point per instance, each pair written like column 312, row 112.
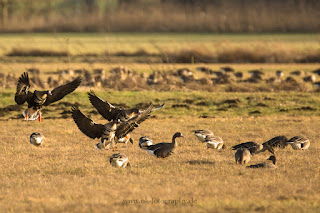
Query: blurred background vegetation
column 239, row 16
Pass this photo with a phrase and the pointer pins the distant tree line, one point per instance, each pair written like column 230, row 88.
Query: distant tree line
column 160, row 15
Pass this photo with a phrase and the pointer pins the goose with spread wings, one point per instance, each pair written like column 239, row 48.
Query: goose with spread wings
column 37, row 99
column 112, row 113
column 110, row 132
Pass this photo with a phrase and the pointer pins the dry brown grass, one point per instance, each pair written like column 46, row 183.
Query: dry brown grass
column 67, row 174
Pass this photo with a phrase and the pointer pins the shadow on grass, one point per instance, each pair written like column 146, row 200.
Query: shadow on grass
column 197, row 162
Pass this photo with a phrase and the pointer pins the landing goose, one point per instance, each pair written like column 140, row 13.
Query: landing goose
column 109, row 132
column 112, row 113
column 201, row 134
column 37, row 99
column 145, row 142
column 242, row 156
column 119, row 160
column 299, row 143
column 266, row 164
column 214, row 142
column 163, row 150
column 253, row 147
column 36, row 138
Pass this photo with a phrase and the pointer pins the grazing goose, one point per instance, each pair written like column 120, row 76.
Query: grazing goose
column 266, row 164
column 242, row 156
column 253, row 147
column 278, row 141
column 145, row 142
column 214, row 142
column 119, row 160
column 201, row 134
column 163, row 150
column 299, row 143
column 37, row 99
column 109, row 132
column 112, row 113
column 36, row 138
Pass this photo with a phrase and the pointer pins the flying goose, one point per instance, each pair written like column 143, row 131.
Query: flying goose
column 37, row 99
column 266, row 164
column 253, row 147
column 109, row 132
column 119, row 160
column 242, row 156
column 201, row 134
column 112, row 113
column 145, row 142
column 299, row 143
column 163, row 150
column 36, row 138
column 278, row 141
column 214, row 142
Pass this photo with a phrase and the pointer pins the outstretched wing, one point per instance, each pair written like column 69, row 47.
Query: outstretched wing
column 86, row 125
column 133, row 123
column 107, row 110
column 59, row 92
column 23, row 86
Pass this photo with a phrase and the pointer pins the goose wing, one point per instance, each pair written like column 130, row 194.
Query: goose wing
column 133, row 123
column 22, row 92
column 164, row 150
column 278, row 141
column 86, row 125
column 246, row 145
column 107, row 110
column 59, row 92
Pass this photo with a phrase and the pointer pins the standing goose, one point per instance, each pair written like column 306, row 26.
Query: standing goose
column 299, row 143
column 201, row 134
column 163, row 150
column 119, row 160
column 214, row 142
column 36, row 138
column 109, row 132
column 242, row 156
column 145, row 142
column 253, row 147
column 278, row 141
column 266, row 164
column 112, row 113
column 37, row 99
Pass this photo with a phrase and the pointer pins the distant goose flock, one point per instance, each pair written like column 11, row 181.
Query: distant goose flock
column 121, row 122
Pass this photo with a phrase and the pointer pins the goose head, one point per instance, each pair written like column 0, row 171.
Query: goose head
column 119, row 160
column 177, row 135
column 36, row 138
column 272, row 158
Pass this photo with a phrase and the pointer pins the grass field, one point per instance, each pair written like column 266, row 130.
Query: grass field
column 67, row 174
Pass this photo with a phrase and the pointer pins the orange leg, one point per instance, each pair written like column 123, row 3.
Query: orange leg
column 39, row 118
column 27, row 115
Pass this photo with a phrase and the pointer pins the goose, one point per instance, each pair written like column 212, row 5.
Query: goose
column 201, row 134
column 266, row 164
column 278, row 141
column 253, row 147
column 299, row 143
column 163, row 150
column 109, row 132
column 36, row 138
column 242, row 156
column 145, row 142
column 119, row 160
column 112, row 113
column 214, row 142
column 37, row 99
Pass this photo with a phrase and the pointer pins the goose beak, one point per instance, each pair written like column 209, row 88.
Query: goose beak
column 49, row 93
